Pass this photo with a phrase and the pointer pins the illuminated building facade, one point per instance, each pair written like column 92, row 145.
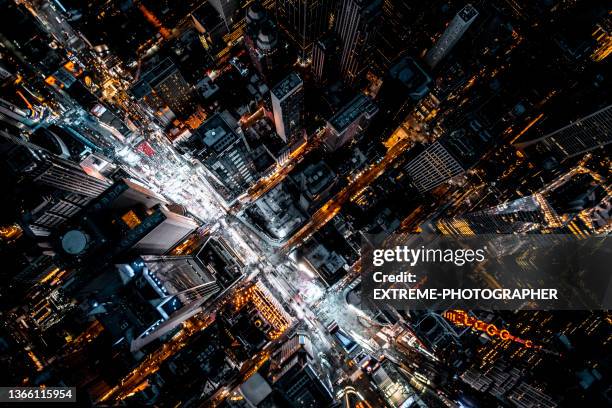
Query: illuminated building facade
column 432, row 167
column 304, row 21
column 288, row 107
column 452, row 34
column 225, row 156
column 575, row 204
column 325, row 59
column 585, row 134
column 356, row 26
column 518, row 216
column 449, row 156
column 350, row 121
column 164, row 86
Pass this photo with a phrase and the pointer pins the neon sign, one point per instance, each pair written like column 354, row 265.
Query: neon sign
column 462, row 318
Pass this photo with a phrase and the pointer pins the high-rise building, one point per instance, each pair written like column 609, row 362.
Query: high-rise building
column 26, row 161
column 574, row 203
column 261, row 39
column 432, row 167
column 325, row 59
column 226, row 9
column 45, row 188
column 163, row 87
column 449, row 156
column 182, row 284
column 181, row 276
column 225, row 156
column 304, row 21
column 293, row 372
column 288, row 106
column 356, row 26
column 451, row 35
column 350, row 121
column 585, row 134
column 393, row 37
column 519, row 216
column 127, row 217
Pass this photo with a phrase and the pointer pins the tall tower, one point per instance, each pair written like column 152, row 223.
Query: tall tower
column 356, row 26
column 573, row 203
column 432, row 167
column 226, row 9
column 585, row 134
column 127, row 217
column 164, row 86
column 261, row 39
column 519, row 216
column 26, row 161
column 304, row 21
column 325, row 59
column 449, row 156
column 183, row 284
column 287, row 105
column 225, row 155
column 455, row 30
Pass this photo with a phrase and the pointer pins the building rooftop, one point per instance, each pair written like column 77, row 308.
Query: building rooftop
column 287, row 86
column 412, row 76
column 216, row 133
column 352, row 111
column 467, row 13
column 316, row 178
column 153, row 77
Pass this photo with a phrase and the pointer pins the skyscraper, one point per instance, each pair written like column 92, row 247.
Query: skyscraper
column 226, row 9
column 182, row 285
column 585, row 134
column 26, row 161
column 455, row 30
column 449, row 156
column 261, row 39
column 287, row 105
column 304, row 21
column 393, row 38
column 225, row 156
column 351, row 120
column 163, row 86
column 325, row 58
column 293, row 373
column 127, row 217
column 575, row 203
column 432, row 167
column 356, row 26
column 519, row 216
column 45, row 188
column 181, row 276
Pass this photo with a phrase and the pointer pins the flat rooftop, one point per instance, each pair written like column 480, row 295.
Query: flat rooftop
column 287, row 85
column 467, row 13
column 216, row 133
column 349, row 113
column 153, row 77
